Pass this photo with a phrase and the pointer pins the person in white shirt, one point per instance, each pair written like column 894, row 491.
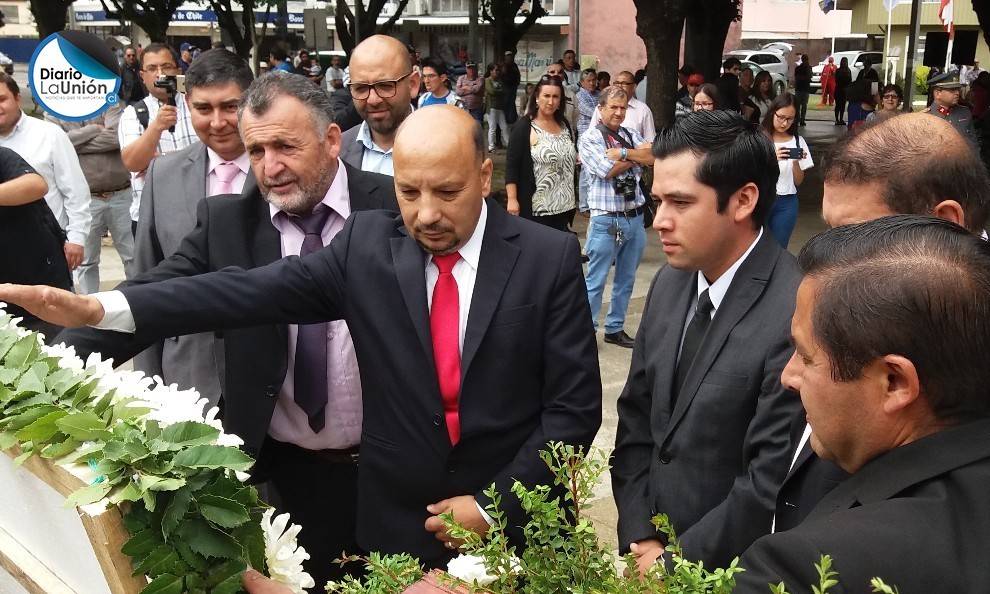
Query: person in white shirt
column 153, row 127
column 47, row 148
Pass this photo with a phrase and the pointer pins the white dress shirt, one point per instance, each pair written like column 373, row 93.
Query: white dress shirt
column 47, row 148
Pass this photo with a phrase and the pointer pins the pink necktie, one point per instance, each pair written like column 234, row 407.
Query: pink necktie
column 226, row 172
column 445, row 328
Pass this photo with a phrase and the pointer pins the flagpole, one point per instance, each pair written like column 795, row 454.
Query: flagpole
column 886, row 53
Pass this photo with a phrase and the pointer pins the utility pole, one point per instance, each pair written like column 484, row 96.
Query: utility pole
column 912, row 49
column 474, row 39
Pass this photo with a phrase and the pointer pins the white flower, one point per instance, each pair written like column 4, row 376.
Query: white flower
column 472, row 569
column 283, row 555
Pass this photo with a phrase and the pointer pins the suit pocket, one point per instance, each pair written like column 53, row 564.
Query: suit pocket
column 515, row 315
column 726, row 380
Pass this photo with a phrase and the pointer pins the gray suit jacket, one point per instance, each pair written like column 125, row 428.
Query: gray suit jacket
column 174, row 185
column 712, row 459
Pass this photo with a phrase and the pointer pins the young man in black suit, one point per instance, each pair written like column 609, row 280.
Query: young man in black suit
column 456, row 397
column 704, row 421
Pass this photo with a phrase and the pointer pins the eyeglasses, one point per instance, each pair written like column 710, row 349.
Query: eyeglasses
column 891, row 96
column 783, row 119
column 163, row 68
column 383, row 88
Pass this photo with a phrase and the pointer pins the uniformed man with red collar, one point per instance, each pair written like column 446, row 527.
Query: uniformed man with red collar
column 947, row 90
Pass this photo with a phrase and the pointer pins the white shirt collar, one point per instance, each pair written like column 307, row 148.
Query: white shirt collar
column 718, row 289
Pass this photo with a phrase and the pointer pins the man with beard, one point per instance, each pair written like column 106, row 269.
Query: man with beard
column 294, row 400
column 383, row 82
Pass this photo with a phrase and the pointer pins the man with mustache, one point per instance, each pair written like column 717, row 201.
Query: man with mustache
column 302, row 425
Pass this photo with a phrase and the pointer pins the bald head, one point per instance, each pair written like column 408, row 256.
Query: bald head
column 383, row 83
column 380, row 49
column 906, row 164
column 439, row 191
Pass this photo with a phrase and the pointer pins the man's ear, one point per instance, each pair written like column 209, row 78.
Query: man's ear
column 950, row 210
column 745, row 200
column 901, row 384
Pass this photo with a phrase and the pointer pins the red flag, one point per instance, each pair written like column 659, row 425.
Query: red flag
column 945, row 15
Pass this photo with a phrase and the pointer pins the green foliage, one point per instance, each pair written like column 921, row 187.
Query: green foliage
column 194, row 526
column 920, row 80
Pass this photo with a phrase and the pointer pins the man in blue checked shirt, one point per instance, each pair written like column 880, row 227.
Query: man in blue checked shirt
column 613, row 157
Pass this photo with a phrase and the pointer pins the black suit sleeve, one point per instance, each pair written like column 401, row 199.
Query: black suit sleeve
column 572, row 392
column 784, row 557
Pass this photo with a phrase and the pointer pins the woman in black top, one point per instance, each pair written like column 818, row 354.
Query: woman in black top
column 843, row 78
column 802, row 88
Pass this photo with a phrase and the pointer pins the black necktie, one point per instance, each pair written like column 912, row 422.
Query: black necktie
column 692, row 339
column 310, row 370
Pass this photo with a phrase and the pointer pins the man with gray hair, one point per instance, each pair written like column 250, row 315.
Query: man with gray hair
column 294, row 399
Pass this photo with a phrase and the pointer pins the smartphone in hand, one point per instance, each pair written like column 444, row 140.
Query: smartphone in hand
column 795, row 152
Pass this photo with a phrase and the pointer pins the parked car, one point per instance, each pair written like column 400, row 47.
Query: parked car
column 771, row 57
column 6, row 63
column 779, row 81
column 855, row 58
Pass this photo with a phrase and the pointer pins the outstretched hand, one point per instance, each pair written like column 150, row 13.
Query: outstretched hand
column 53, row 305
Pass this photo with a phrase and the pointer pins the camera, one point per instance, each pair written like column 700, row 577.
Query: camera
column 625, row 187
column 170, row 83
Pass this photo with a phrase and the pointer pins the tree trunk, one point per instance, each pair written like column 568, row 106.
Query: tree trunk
column 241, row 34
column 707, row 24
column 152, row 16
column 502, row 15
column 982, row 10
column 367, row 21
column 50, row 15
column 660, row 24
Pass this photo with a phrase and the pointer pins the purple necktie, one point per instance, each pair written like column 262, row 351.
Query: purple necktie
column 310, row 371
column 226, row 172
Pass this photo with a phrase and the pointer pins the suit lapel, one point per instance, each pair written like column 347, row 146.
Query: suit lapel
column 265, row 243
column 747, row 286
column 498, row 258
column 410, row 265
column 363, row 194
column 193, row 174
column 670, row 341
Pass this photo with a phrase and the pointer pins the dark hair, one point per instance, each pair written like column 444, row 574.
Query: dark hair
column 733, row 152
column 435, row 63
column 604, row 75
column 218, row 67
column 909, row 285
column 731, row 62
column 558, row 115
column 844, row 63
column 8, row 80
column 279, row 54
column 154, row 48
column 711, row 91
column 267, row 88
column 754, row 92
column 639, row 75
column 895, row 88
column 916, row 163
column 569, row 51
column 781, row 101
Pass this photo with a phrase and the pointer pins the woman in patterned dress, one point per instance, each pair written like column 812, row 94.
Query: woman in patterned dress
column 539, row 161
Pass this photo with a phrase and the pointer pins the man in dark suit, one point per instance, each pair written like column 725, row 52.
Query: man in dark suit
column 703, row 432
column 383, row 82
column 891, row 332
column 945, row 179
column 456, row 397
column 314, row 473
column 173, row 187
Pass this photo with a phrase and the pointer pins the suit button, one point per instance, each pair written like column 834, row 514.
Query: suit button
column 271, row 391
column 437, row 420
column 665, row 457
column 451, row 469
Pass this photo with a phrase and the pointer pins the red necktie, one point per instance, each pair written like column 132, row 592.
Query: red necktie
column 445, row 328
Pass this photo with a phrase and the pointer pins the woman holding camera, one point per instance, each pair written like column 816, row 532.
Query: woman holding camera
column 794, row 159
column 539, row 161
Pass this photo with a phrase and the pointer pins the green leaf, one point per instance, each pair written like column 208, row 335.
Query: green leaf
column 58, row 450
column 24, row 350
column 87, row 495
column 149, row 482
column 104, row 402
column 83, row 392
column 125, row 491
column 164, row 584
column 223, row 512
column 22, row 420
column 7, row 440
column 142, row 544
column 85, row 426
column 207, row 540
column 43, row 429
column 194, row 559
column 226, row 577
column 189, row 433
column 176, row 509
column 161, row 561
column 27, row 453
column 33, row 380
column 213, row 456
